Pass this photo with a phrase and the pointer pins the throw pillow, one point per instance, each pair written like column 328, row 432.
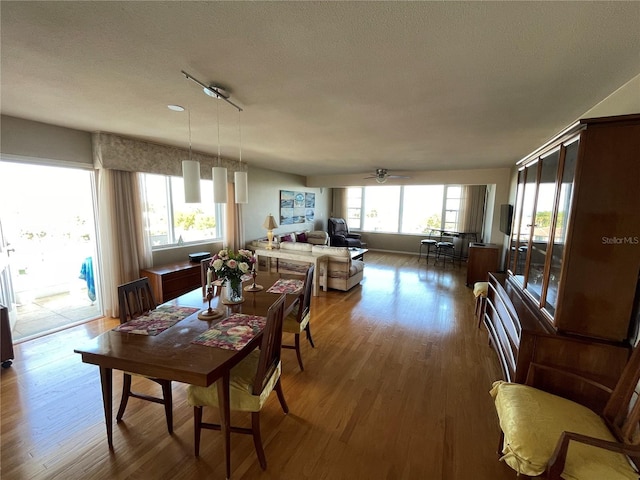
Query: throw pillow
column 301, row 237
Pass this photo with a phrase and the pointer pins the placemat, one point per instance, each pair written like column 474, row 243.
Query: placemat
column 156, row 321
column 232, row 333
column 286, row 285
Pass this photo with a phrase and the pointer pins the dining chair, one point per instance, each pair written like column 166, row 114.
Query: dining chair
column 298, row 320
column 250, row 384
column 545, row 432
column 135, row 299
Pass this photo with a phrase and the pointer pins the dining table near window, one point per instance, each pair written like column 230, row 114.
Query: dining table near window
column 169, row 351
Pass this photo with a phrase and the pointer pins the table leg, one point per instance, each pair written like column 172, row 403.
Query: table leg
column 106, row 376
column 225, row 419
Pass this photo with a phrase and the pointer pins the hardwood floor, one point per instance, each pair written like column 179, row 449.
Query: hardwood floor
column 396, row 388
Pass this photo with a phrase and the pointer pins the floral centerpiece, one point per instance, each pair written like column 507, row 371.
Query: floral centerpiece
column 231, row 267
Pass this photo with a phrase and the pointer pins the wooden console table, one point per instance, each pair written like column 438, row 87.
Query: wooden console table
column 171, row 281
column 315, row 259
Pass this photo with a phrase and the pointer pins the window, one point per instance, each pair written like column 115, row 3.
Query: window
column 453, row 194
column 381, row 209
column 421, row 208
column 411, row 209
column 171, row 221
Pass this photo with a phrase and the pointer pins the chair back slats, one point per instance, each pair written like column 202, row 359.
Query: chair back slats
column 622, row 411
column 271, row 345
column 134, row 299
column 305, row 296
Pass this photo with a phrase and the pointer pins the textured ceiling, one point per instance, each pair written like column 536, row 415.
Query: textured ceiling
column 326, row 87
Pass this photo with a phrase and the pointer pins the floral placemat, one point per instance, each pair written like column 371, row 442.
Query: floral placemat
column 156, row 321
column 232, row 333
column 286, row 285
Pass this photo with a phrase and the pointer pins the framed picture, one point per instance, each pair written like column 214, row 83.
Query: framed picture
column 296, row 207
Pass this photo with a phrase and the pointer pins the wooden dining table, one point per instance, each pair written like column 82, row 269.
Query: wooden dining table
column 171, row 355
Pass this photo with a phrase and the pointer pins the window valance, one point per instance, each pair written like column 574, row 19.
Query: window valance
column 132, row 155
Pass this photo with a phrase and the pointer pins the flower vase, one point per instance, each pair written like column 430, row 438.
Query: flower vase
column 233, row 293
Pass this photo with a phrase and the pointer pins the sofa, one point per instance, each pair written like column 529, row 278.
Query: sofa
column 343, row 273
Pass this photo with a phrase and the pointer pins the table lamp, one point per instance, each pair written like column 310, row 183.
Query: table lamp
column 270, row 224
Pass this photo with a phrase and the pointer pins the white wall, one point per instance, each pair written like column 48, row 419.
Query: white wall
column 264, row 199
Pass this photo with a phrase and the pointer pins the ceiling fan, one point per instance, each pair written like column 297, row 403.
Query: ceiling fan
column 382, row 175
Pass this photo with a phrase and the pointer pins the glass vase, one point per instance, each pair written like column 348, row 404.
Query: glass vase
column 233, row 291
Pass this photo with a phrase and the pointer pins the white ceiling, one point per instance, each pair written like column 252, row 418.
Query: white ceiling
column 326, row 87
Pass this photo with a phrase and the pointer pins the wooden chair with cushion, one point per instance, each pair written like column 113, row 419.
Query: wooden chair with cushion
column 250, row 384
column 299, row 318
column 136, row 299
column 553, row 436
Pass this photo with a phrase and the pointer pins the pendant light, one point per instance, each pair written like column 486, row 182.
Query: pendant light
column 191, row 174
column 240, row 177
column 219, row 174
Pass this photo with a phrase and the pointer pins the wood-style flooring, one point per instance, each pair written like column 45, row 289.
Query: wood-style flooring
column 396, row 388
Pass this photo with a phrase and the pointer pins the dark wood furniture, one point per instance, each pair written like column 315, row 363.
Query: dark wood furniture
column 520, row 338
column 570, row 298
column 299, row 319
column 135, row 299
column 618, row 407
column 267, row 366
column 574, row 248
column 172, row 280
column 6, row 339
column 483, row 258
column 172, row 356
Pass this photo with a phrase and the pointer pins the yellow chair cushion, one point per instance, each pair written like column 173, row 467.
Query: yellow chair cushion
column 480, row 289
column 532, row 421
column 240, row 387
column 290, row 323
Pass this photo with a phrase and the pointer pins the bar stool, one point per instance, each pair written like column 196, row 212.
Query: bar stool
column 445, row 250
column 429, row 243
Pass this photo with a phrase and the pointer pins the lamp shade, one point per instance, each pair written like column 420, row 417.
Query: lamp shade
column 219, row 175
column 242, row 187
column 270, row 222
column 191, row 179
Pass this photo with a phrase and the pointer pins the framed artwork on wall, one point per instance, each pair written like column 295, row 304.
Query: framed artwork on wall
column 296, row 207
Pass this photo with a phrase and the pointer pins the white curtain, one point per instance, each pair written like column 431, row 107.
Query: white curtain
column 471, row 214
column 124, row 245
column 234, row 236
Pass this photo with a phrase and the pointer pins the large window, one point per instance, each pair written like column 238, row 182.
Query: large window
column 411, row 209
column 171, row 221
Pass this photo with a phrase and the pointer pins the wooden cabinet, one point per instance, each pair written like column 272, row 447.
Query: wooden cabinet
column 519, row 339
column 571, row 295
column 171, row 281
column 575, row 246
column 483, row 258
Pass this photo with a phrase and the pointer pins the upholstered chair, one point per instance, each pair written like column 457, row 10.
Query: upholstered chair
column 340, row 236
column 298, row 320
column 250, row 385
column 546, row 433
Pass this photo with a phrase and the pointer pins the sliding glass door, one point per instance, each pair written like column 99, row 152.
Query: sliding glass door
column 47, row 215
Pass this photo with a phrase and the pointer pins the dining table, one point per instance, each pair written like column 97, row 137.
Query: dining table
column 172, row 355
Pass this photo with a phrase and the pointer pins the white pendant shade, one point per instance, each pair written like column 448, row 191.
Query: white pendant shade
column 191, row 178
column 242, row 187
column 219, row 175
